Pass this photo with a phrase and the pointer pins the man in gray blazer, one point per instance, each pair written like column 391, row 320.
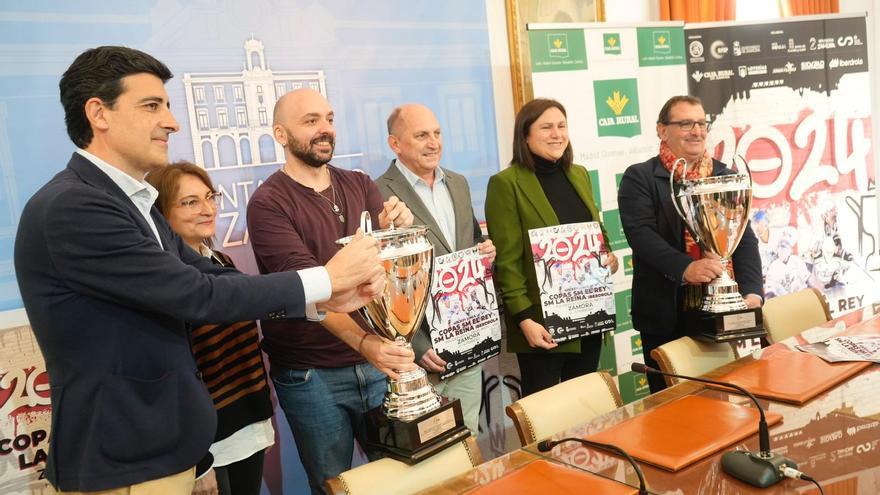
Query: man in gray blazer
column 441, row 200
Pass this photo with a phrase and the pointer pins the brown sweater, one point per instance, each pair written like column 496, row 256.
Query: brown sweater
column 292, row 228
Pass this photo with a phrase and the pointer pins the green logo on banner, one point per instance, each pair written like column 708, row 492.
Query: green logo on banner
column 633, row 386
column 627, row 264
column 635, row 344
column 616, row 238
column 617, row 179
column 608, row 357
column 617, row 107
column 623, row 302
column 660, row 46
column 557, row 50
column 661, row 42
column 611, row 43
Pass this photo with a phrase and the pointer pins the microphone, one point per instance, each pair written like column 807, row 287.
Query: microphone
column 762, row 468
column 547, row 446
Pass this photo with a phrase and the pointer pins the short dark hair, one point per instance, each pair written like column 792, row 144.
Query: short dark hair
column 528, row 114
column 663, row 118
column 98, row 73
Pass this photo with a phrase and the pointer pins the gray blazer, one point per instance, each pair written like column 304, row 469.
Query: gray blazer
column 467, row 229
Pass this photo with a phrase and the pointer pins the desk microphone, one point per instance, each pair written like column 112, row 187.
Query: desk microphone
column 761, row 469
column 547, row 446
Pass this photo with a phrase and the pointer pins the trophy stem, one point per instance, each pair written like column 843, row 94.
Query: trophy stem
column 722, row 294
column 411, row 395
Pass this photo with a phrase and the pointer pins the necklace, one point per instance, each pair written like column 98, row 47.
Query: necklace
column 335, row 203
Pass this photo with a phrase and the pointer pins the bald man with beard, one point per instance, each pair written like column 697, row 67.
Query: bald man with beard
column 327, row 375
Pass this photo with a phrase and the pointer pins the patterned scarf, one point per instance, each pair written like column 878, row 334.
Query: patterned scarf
column 693, row 293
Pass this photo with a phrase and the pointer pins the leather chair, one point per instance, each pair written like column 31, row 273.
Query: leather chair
column 390, row 477
column 563, row 406
column 793, row 313
column 687, row 356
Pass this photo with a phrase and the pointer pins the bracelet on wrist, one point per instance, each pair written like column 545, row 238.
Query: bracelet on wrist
column 361, row 343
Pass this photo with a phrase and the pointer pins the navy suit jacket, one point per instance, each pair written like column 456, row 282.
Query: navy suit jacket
column 108, row 307
column 655, row 233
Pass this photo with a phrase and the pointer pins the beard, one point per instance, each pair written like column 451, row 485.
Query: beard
column 306, row 152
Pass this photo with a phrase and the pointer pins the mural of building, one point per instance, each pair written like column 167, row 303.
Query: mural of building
column 230, row 113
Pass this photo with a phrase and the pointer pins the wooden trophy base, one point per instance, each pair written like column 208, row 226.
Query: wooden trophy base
column 744, row 324
column 416, row 440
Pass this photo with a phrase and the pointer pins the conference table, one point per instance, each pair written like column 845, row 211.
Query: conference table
column 834, row 437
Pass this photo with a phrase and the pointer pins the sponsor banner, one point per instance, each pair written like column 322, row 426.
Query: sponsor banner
column 25, row 413
column 576, row 291
column 660, row 46
column 608, row 357
column 611, row 43
column 623, row 303
column 559, row 50
column 794, row 101
column 616, row 237
column 628, row 345
column 617, row 107
column 628, row 265
column 633, row 386
column 462, row 313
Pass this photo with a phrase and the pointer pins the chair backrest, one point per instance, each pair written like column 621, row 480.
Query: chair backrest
column 390, row 477
column 793, row 313
column 563, row 406
column 687, row 356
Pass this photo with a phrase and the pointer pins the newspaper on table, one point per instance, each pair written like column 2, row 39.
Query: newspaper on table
column 577, row 296
column 846, row 348
column 462, row 313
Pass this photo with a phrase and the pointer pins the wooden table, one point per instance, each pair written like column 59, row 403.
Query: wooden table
column 835, row 438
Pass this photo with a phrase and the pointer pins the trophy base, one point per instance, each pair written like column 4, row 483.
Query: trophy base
column 729, row 326
column 417, row 439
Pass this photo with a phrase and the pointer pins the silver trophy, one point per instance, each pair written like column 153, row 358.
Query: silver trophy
column 414, row 421
column 716, row 212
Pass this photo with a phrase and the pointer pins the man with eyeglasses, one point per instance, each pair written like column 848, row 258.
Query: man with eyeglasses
column 669, row 268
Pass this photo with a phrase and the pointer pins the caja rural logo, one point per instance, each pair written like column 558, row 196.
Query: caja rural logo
column 617, row 107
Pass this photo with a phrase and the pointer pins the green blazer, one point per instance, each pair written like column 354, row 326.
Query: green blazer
column 515, row 203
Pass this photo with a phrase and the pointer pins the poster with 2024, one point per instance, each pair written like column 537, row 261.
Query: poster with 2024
column 463, row 315
column 577, row 296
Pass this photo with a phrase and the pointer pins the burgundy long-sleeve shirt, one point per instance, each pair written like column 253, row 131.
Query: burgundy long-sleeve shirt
column 291, row 227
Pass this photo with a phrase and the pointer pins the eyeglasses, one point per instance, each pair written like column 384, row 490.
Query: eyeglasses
column 688, row 125
column 195, row 204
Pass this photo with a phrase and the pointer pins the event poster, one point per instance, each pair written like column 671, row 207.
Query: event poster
column 793, row 98
column 25, row 413
column 577, row 295
column 463, row 316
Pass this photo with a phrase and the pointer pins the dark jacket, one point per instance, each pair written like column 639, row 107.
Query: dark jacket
column 108, row 307
column 655, row 232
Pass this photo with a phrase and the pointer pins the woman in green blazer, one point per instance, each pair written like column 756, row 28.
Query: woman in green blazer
column 541, row 188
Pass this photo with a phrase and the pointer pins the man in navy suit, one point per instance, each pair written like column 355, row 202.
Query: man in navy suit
column 108, row 288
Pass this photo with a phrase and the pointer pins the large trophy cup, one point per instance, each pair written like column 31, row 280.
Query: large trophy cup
column 414, row 422
column 716, row 211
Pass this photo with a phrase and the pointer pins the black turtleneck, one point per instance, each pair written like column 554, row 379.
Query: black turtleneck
column 563, row 198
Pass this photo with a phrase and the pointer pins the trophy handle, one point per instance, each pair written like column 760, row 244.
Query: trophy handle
column 675, row 203
column 366, row 223
column 745, row 165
